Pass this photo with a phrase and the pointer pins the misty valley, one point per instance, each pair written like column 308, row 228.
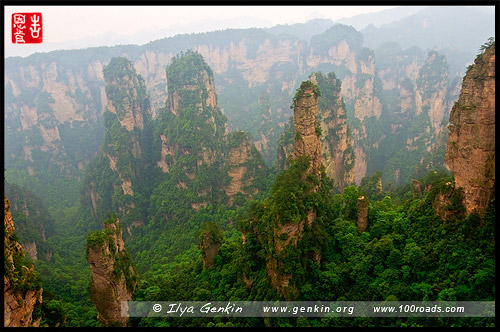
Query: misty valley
column 305, row 162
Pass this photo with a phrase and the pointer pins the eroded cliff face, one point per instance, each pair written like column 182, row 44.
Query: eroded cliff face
column 432, row 86
column 470, row 151
column 191, row 132
column 260, row 60
column 416, row 93
column 340, row 53
column 336, row 144
column 110, row 181
column 307, row 129
column 434, row 96
column 151, row 66
column 113, row 275
column 129, row 102
column 444, row 204
column 200, row 83
column 209, row 250
column 46, row 103
column 65, row 89
column 22, row 287
column 253, row 60
column 243, row 166
column 255, row 65
column 285, row 146
column 126, row 93
column 191, row 93
column 288, row 233
column 337, row 152
column 34, row 224
column 363, row 96
column 367, row 101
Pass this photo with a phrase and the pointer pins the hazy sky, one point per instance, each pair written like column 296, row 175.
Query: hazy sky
column 62, row 23
column 65, row 23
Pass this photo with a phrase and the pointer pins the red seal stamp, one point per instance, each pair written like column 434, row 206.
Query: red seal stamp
column 27, row 28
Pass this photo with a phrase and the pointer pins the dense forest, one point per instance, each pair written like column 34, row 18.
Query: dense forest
column 188, row 207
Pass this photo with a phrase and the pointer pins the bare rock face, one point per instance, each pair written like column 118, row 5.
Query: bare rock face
column 62, row 100
column 19, row 307
column 336, row 145
column 124, row 150
column 113, row 275
column 282, row 236
column 127, row 98
column 33, row 222
column 243, row 164
column 362, row 207
column 470, row 152
column 184, row 85
column 432, row 88
column 18, row 304
column 285, row 146
column 193, row 126
column 126, row 92
column 307, row 130
column 288, row 233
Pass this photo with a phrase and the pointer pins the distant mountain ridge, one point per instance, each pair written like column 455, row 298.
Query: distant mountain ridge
column 303, row 30
column 381, row 18
column 54, row 101
column 110, row 38
column 450, row 27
